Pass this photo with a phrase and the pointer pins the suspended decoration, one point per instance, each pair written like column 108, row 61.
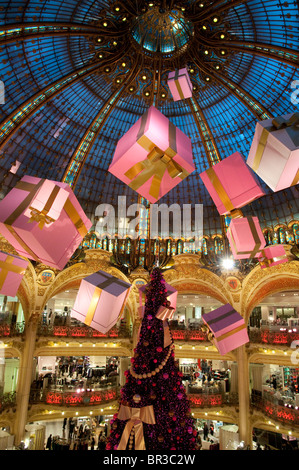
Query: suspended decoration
column 100, row 301
column 153, row 156
column 226, row 328
column 12, row 270
column 231, row 185
column 274, row 154
column 43, row 221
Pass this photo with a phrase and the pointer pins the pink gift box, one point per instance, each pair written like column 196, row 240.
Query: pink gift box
column 12, row 270
column 231, row 184
column 172, row 295
column 274, row 153
column 245, row 237
column 272, row 255
column 153, row 157
column 100, row 301
column 227, row 327
column 52, row 244
column 180, row 84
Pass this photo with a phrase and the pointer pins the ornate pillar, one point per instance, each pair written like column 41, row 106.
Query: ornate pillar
column 24, row 380
column 244, row 396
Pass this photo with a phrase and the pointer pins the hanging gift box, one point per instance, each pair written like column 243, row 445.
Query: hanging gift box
column 100, row 301
column 171, row 294
column 180, row 84
column 231, row 184
column 274, row 153
column 226, row 328
column 272, row 255
column 32, row 232
column 245, row 237
column 153, row 157
column 12, row 270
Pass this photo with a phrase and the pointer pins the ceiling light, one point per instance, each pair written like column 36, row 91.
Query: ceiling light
column 228, row 263
column 215, row 19
column 204, row 27
column 222, row 36
column 105, row 24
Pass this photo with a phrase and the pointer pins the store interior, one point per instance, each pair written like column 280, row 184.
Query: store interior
column 274, row 383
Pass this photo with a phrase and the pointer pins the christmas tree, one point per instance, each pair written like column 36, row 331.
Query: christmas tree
column 154, row 412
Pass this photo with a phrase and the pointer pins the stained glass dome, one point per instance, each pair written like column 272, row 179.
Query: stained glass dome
column 78, row 75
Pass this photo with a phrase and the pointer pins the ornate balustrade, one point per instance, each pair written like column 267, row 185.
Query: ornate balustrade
column 283, row 414
column 7, row 329
column 267, row 336
column 75, row 397
column 81, row 331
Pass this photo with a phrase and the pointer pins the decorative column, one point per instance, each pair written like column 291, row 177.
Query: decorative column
column 24, row 380
column 244, row 396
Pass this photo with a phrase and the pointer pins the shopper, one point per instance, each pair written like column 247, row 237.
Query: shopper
column 49, row 443
column 205, row 431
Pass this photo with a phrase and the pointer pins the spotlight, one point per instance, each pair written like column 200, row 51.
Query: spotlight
column 228, row 263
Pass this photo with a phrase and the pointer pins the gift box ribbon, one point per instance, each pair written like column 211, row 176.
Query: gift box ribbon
column 164, row 314
column 219, row 188
column 177, row 83
column 256, row 238
column 213, row 338
column 156, row 163
column 292, row 129
column 136, row 417
column 266, row 262
column 32, row 190
column 97, row 295
column 7, row 266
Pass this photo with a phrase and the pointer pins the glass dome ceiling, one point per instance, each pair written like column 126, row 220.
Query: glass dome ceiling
column 78, row 75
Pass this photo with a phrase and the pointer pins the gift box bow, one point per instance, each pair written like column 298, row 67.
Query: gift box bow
column 41, row 216
column 136, row 417
column 156, row 163
column 291, row 125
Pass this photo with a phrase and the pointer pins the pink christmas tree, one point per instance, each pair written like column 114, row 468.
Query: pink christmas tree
column 154, row 412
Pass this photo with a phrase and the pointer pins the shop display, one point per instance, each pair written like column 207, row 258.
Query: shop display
column 30, row 231
column 153, row 157
column 246, row 238
column 180, row 84
column 231, row 184
column 100, row 301
column 226, row 328
column 12, row 270
column 274, row 153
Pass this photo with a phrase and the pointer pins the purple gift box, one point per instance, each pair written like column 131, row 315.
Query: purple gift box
column 100, row 301
column 228, row 328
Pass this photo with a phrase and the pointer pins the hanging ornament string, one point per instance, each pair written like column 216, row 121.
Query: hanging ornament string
column 155, row 371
